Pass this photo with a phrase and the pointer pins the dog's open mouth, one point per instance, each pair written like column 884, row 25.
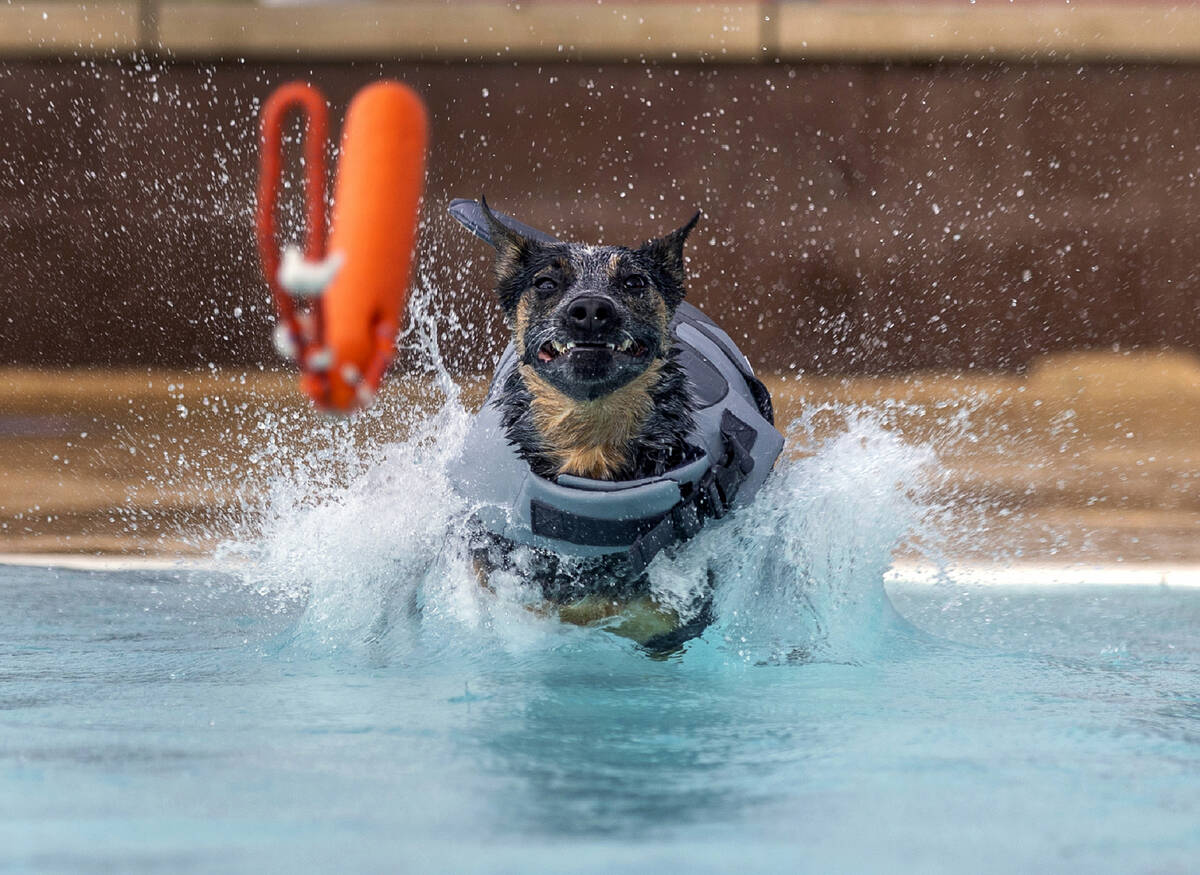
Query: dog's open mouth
column 552, row 349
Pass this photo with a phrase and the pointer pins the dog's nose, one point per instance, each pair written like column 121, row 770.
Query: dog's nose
column 591, row 313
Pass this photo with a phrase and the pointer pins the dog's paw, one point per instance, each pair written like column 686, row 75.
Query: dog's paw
column 641, row 619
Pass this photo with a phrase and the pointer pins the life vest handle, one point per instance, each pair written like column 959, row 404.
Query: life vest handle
column 310, row 102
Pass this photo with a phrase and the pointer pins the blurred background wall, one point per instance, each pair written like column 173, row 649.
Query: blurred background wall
column 886, row 186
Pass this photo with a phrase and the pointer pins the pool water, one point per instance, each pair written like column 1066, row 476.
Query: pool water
column 336, row 692
column 174, row 720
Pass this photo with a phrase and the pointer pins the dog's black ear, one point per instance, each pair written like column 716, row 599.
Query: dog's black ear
column 512, row 249
column 668, row 252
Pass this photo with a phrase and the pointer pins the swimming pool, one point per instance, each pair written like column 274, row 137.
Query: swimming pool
column 182, row 720
column 334, row 690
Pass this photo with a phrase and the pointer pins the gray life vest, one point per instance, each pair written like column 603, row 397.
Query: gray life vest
column 734, row 433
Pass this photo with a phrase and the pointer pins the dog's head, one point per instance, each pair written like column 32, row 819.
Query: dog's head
column 588, row 319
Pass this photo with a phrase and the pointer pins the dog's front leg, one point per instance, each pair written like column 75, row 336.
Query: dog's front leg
column 639, row 619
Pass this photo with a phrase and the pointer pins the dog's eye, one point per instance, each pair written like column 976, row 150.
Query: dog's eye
column 634, row 283
column 545, row 284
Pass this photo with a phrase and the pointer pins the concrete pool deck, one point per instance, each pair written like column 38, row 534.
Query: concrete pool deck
column 1091, row 459
column 904, row 574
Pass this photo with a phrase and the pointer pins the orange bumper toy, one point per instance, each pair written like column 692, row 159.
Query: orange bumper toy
column 340, row 310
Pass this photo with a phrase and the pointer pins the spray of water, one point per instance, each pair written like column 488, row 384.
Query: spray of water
column 801, row 571
column 371, row 539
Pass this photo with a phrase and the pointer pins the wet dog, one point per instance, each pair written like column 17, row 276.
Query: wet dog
column 597, row 392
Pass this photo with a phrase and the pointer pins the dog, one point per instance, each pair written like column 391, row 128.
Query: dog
column 597, row 391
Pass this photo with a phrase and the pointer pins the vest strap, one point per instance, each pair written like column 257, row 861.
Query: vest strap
column 552, row 522
column 711, row 498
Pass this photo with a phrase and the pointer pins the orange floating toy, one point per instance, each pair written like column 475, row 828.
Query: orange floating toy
column 344, row 339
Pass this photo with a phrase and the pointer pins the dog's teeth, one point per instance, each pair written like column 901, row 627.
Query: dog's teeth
column 626, row 344
column 558, row 347
column 610, row 346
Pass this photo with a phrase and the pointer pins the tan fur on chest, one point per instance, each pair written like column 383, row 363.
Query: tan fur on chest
column 591, row 438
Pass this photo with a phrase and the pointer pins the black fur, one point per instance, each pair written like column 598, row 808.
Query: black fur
column 537, row 283
column 536, row 317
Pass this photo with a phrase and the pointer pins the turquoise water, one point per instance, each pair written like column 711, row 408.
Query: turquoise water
column 183, row 721
column 345, row 696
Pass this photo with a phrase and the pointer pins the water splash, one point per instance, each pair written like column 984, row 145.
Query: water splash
column 800, row 573
column 380, row 558
column 371, row 538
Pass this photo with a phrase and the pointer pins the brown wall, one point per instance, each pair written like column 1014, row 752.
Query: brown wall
column 858, row 217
